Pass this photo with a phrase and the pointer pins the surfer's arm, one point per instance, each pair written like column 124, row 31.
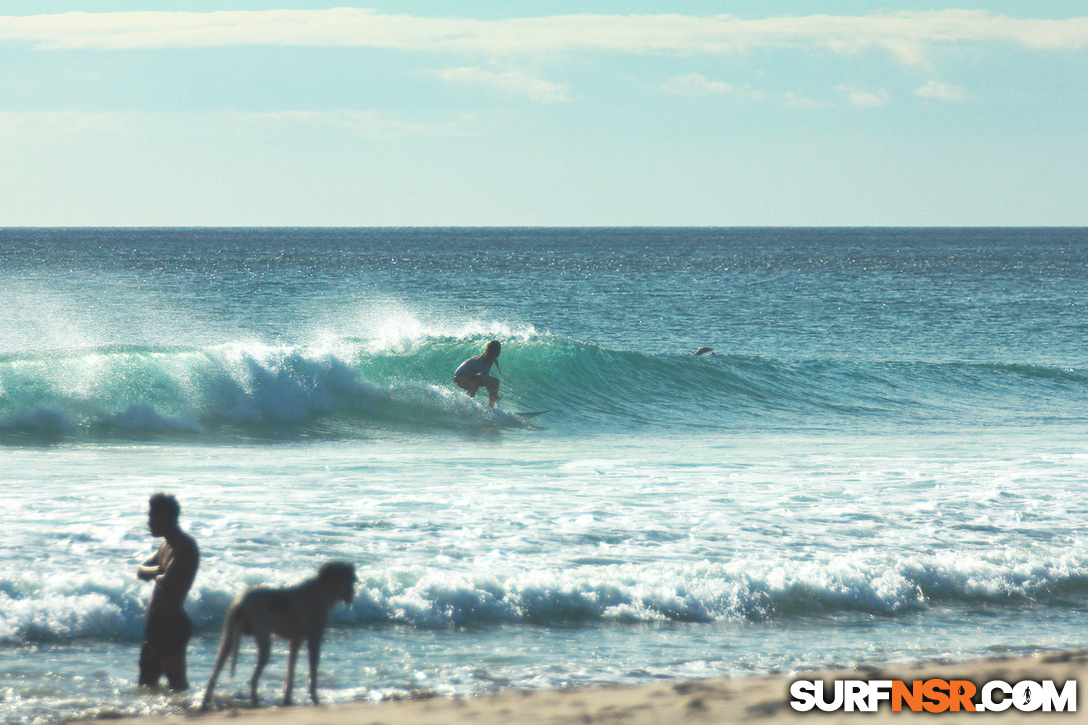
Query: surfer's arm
column 470, row 368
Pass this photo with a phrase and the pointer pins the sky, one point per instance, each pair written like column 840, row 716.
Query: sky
column 560, row 113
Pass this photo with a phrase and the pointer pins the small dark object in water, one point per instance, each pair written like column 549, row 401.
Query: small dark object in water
column 703, row 351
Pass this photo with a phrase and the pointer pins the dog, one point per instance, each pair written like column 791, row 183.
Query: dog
column 298, row 614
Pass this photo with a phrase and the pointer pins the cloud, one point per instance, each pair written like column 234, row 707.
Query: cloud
column 905, row 34
column 696, row 84
column 941, row 92
column 793, row 100
column 515, row 82
column 367, row 124
column 62, row 123
column 360, row 123
column 864, row 99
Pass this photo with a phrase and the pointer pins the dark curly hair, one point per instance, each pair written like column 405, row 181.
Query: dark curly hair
column 166, row 504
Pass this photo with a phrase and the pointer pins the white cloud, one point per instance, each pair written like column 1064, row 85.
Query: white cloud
column 794, row 100
column 515, row 82
column 696, row 84
column 63, row 123
column 904, row 34
column 864, row 99
column 941, row 92
column 366, row 124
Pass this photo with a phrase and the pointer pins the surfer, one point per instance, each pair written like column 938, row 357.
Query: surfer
column 172, row 568
column 472, row 374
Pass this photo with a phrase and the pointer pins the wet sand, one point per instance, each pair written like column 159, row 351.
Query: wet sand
column 757, row 699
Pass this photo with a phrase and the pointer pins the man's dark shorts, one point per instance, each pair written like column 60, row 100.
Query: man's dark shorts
column 167, row 635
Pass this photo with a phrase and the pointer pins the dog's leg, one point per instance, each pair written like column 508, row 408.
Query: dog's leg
column 219, row 662
column 264, row 651
column 313, row 648
column 292, row 658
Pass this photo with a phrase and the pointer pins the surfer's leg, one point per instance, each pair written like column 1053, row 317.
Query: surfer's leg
column 492, row 385
column 469, row 385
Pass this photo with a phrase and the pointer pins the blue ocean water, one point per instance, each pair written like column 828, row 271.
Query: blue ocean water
column 884, row 460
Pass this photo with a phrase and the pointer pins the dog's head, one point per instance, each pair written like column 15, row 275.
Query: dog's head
column 339, row 578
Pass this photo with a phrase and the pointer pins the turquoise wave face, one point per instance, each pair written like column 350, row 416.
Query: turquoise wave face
column 349, row 387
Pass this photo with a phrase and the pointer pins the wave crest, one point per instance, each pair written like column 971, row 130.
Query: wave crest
column 705, row 592
column 401, row 378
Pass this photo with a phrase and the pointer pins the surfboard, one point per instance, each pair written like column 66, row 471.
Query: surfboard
column 530, row 414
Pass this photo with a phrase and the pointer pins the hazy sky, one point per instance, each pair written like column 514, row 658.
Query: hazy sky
column 664, row 112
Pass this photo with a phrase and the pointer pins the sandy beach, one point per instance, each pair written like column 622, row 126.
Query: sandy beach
column 758, row 699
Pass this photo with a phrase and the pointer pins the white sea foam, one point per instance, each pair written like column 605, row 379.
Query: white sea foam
column 109, row 605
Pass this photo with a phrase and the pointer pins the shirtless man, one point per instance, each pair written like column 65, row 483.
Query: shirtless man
column 172, row 568
column 472, row 374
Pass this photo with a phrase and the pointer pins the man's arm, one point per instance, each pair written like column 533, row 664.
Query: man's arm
column 177, row 576
column 150, row 568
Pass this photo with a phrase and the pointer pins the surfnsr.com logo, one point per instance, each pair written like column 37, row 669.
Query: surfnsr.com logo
column 933, row 695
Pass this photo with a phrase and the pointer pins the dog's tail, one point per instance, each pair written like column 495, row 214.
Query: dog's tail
column 232, row 636
column 234, row 652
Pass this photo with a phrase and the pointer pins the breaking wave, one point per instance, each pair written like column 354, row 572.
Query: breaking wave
column 99, row 605
column 348, row 386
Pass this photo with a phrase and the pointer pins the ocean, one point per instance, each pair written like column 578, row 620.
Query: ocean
column 885, row 460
